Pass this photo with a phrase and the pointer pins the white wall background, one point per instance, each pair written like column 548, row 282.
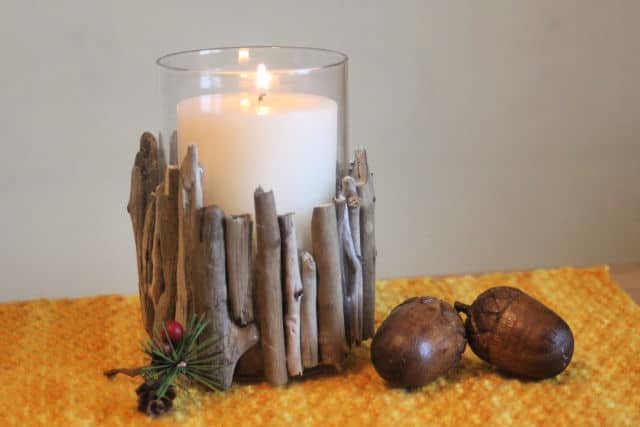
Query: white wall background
column 504, row 134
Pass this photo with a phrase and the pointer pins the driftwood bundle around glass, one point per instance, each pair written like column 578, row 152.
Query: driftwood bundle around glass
column 294, row 310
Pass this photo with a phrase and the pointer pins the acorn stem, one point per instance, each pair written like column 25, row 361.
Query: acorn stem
column 461, row 307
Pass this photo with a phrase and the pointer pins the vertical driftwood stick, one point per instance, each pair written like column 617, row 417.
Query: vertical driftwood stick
column 167, row 228
column 190, row 200
column 173, row 148
column 351, row 270
column 146, row 299
column 156, row 286
column 210, row 293
column 292, row 292
column 347, row 298
column 364, row 179
column 350, row 191
column 145, row 176
column 269, row 287
column 309, row 319
column 239, row 241
column 331, row 335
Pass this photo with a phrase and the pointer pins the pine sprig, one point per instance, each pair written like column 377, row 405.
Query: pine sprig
column 193, row 358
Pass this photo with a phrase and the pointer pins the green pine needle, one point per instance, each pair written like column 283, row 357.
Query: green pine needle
column 194, row 358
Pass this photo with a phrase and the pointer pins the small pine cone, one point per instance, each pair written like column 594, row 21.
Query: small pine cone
column 143, row 388
column 149, row 403
column 171, row 393
column 157, row 407
column 143, row 401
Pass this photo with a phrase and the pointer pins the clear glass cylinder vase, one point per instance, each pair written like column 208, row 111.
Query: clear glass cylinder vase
column 273, row 117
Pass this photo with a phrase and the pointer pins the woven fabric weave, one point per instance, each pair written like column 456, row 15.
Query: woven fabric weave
column 55, row 352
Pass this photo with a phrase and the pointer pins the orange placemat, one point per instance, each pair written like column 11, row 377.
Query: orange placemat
column 54, row 352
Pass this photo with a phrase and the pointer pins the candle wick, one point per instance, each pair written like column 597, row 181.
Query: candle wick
column 261, row 97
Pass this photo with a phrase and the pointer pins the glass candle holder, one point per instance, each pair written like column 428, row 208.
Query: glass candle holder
column 273, row 117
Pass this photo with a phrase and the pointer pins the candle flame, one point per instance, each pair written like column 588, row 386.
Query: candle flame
column 262, row 78
column 244, row 102
column 243, row 55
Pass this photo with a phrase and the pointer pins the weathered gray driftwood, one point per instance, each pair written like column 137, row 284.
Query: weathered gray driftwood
column 347, row 299
column 166, row 232
column 147, row 263
column 145, row 176
column 364, row 180
column 331, row 333
column 292, row 292
column 269, row 288
column 350, row 191
column 154, row 267
column 309, row 318
column 351, row 271
column 210, row 293
column 239, row 242
column 157, row 286
column 192, row 260
column 173, row 148
column 190, row 200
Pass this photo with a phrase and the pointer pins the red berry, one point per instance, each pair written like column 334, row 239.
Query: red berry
column 175, row 331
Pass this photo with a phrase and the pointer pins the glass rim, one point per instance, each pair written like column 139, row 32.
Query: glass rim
column 162, row 61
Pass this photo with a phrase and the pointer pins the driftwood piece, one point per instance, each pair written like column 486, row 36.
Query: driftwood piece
column 331, row 334
column 167, row 233
column 145, row 176
column 350, row 191
column 364, row 180
column 292, row 292
column 194, row 260
column 173, row 148
column 210, row 294
column 239, row 241
column 156, row 285
column 269, row 288
column 347, row 299
column 309, row 319
column 351, row 270
column 190, row 200
column 146, row 299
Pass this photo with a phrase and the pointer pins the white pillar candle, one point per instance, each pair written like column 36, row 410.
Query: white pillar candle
column 286, row 142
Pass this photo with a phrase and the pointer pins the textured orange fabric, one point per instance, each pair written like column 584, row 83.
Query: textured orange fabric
column 54, row 352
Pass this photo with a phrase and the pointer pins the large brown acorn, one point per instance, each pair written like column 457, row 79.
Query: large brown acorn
column 420, row 340
column 518, row 334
